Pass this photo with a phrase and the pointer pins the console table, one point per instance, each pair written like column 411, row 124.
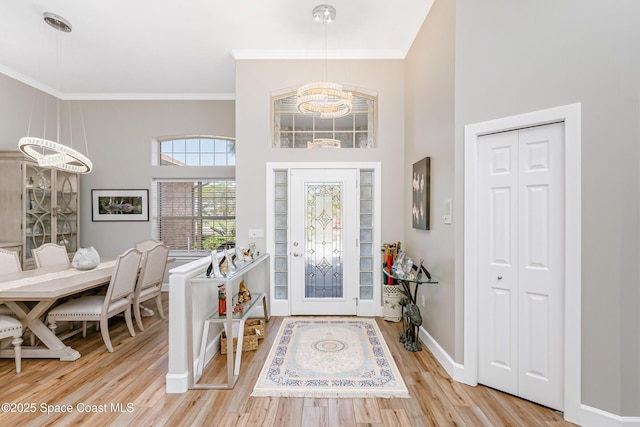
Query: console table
column 232, row 283
column 411, row 317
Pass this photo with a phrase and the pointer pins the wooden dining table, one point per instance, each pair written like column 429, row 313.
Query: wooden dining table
column 30, row 293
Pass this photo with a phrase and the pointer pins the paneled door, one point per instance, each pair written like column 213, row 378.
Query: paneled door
column 323, row 241
column 521, row 263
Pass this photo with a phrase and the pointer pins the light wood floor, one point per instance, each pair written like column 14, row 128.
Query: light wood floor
column 134, row 375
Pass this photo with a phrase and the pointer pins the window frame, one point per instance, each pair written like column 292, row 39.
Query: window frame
column 182, row 174
column 324, row 128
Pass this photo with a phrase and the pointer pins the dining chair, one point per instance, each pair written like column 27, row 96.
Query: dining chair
column 101, row 308
column 9, row 263
column 49, row 255
column 146, row 245
column 11, row 327
column 149, row 285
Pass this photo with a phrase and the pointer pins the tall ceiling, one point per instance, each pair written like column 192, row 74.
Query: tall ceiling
column 169, row 49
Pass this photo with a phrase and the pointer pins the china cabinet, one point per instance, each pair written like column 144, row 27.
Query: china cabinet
column 38, row 205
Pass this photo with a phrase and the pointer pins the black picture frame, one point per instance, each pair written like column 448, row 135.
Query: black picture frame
column 120, row 205
column 420, row 190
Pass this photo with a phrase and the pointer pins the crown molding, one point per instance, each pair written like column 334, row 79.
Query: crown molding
column 115, row 96
column 240, row 54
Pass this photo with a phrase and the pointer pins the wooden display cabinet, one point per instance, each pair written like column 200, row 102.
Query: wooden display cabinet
column 37, row 205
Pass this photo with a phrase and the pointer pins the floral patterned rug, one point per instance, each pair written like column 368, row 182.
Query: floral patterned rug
column 330, row 357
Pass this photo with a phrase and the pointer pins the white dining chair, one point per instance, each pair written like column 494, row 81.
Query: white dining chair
column 49, row 255
column 146, row 245
column 101, row 308
column 11, row 327
column 149, row 285
column 9, row 263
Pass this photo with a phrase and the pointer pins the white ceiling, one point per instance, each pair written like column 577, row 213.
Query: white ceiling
column 171, row 49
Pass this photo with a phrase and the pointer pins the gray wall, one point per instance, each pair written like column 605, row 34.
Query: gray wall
column 518, row 57
column 429, row 129
column 257, row 80
column 119, row 135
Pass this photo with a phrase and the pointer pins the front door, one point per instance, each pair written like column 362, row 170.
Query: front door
column 323, row 242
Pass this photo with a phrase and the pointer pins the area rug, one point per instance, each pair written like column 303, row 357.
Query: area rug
column 330, row 357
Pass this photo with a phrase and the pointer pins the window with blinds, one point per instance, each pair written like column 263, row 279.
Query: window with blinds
column 197, row 215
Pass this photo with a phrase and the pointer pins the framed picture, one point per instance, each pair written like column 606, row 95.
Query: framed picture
column 420, row 183
column 120, row 205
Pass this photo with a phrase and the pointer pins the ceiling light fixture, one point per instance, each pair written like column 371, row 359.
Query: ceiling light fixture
column 324, row 98
column 50, row 153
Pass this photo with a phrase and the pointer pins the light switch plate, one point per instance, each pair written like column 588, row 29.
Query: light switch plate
column 256, row 232
column 446, row 218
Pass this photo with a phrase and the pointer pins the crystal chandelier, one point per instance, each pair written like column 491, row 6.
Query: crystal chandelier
column 50, row 153
column 324, row 98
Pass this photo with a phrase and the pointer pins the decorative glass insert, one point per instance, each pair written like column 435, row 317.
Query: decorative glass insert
column 292, row 129
column 280, row 234
column 366, row 234
column 324, row 246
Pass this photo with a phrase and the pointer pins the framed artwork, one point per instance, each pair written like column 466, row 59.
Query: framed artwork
column 120, row 205
column 420, row 183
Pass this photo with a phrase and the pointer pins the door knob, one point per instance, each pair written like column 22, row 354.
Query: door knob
column 499, row 277
column 296, row 254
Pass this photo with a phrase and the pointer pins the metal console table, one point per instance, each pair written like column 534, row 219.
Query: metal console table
column 411, row 317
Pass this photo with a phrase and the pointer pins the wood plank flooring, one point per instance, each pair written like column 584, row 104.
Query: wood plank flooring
column 127, row 388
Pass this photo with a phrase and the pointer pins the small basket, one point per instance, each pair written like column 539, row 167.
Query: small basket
column 249, row 341
column 256, row 325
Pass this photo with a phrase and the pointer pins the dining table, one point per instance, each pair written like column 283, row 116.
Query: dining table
column 30, row 293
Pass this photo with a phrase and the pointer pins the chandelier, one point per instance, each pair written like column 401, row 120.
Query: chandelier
column 324, row 98
column 51, row 153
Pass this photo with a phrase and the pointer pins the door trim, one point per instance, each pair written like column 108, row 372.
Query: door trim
column 571, row 116
column 371, row 307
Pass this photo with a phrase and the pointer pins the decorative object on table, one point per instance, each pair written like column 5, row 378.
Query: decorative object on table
column 238, row 307
column 222, row 300
column 244, row 294
column 330, row 357
column 86, row 259
column 392, row 311
column 411, row 321
column 253, row 252
column 215, row 264
column 231, row 257
column 420, row 190
column 120, row 205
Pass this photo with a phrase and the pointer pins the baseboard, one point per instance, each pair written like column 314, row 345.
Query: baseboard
column 594, row 417
column 177, row 383
column 588, row 416
column 454, row 369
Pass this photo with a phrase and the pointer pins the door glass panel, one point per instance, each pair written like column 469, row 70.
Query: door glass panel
column 324, row 244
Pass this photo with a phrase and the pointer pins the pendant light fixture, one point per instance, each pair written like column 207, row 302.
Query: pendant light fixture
column 324, row 98
column 52, row 153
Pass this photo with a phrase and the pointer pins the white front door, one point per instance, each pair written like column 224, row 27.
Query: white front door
column 323, row 241
column 521, row 263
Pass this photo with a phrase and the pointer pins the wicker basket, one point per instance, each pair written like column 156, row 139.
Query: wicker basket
column 256, row 325
column 249, row 342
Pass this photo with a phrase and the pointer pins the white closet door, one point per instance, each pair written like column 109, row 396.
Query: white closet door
column 498, row 258
column 521, row 295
